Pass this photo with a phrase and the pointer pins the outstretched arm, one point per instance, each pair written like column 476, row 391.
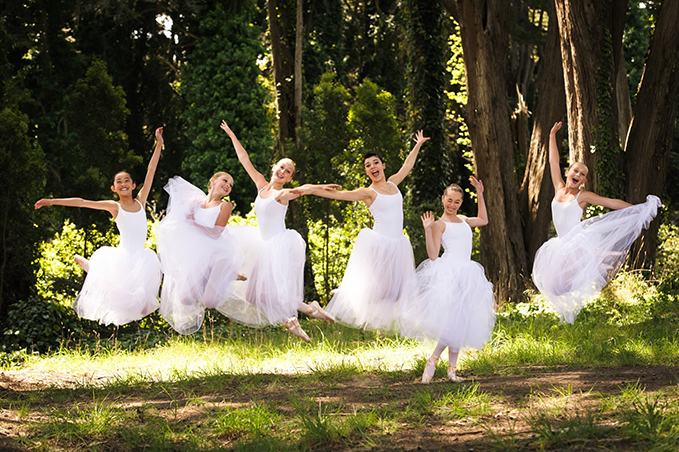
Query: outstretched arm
column 554, row 167
column 587, row 197
column 243, row 157
column 330, row 191
column 410, row 160
column 143, row 194
column 481, row 218
column 109, row 206
column 433, row 231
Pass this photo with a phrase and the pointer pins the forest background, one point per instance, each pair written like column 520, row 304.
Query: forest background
column 83, row 85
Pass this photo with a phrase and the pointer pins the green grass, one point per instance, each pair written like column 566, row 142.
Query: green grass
column 538, row 385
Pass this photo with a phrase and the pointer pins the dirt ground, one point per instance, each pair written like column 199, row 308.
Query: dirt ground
column 511, row 397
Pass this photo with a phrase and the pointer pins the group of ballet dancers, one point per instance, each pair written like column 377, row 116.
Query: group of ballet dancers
column 255, row 275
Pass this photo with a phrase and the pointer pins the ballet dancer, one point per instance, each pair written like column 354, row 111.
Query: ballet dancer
column 275, row 255
column 380, row 274
column 571, row 269
column 200, row 259
column 122, row 282
column 455, row 305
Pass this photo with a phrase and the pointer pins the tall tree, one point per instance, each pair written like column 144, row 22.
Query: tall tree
column 650, row 136
column 485, row 42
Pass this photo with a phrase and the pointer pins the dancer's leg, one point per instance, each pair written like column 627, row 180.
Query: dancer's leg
column 84, row 263
column 452, row 362
column 219, row 273
column 430, row 368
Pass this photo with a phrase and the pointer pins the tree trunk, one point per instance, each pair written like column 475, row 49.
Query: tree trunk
column 650, row 135
column 299, row 45
column 537, row 191
column 283, row 70
column 587, row 42
column 485, row 43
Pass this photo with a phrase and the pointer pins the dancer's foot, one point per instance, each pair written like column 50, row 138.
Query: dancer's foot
column 317, row 312
column 429, row 370
column 292, row 325
column 452, row 377
column 84, row 263
column 334, row 291
column 241, row 277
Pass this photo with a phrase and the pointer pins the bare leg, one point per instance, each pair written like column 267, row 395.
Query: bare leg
column 314, row 310
column 452, row 361
column 84, row 263
column 430, row 368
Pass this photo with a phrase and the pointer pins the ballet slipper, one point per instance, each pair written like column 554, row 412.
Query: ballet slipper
column 84, row 263
column 292, row 325
column 429, row 370
column 317, row 312
column 452, row 377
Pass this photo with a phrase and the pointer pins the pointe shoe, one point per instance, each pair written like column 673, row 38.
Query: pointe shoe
column 452, row 377
column 292, row 325
column 84, row 263
column 429, row 370
column 317, row 312
column 241, row 277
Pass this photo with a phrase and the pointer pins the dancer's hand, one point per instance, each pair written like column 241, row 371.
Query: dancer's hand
column 428, row 220
column 225, row 127
column 477, row 184
column 556, row 128
column 420, row 138
column 42, row 203
column 159, row 136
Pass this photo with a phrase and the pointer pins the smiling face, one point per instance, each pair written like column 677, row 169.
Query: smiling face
column 283, row 171
column 576, row 175
column 374, row 167
column 221, row 184
column 123, row 184
column 452, row 199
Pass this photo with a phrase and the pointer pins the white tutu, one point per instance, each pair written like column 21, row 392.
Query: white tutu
column 570, row 270
column 380, row 276
column 121, row 286
column 275, row 277
column 200, row 263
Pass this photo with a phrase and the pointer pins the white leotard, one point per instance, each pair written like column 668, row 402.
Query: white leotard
column 132, row 227
column 387, row 210
column 566, row 215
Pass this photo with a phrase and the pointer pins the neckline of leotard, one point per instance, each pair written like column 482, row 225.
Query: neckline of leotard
column 259, row 193
column 450, row 222
column 393, row 194
column 567, row 202
column 120, row 207
column 208, row 208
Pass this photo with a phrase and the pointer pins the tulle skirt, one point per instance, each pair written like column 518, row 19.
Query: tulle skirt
column 121, row 286
column 200, row 264
column 379, row 279
column 275, row 277
column 570, row 271
column 455, row 305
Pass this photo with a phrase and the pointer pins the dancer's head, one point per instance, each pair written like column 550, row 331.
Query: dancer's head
column 373, row 163
column 576, row 175
column 452, row 199
column 123, row 185
column 283, row 171
column 221, row 184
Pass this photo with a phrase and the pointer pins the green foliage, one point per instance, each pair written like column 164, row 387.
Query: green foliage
column 39, row 325
column 667, row 259
column 635, row 40
column 222, row 81
column 23, row 170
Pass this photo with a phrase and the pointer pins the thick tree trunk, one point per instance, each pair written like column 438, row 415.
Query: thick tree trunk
column 485, row 43
column 280, row 20
column 588, row 39
column 537, row 191
column 650, row 135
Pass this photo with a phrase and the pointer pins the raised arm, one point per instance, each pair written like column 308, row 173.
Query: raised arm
column 330, row 191
column 433, row 231
column 554, row 168
column 410, row 160
column 481, row 218
column 259, row 180
column 143, row 194
column 109, row 206
column 587, row 197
